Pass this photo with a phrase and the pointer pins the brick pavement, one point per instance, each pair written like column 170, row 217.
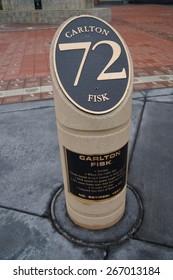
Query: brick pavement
column 148, row 32
column 24, row 52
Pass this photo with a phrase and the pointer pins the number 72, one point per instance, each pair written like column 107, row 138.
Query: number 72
column 116, row 51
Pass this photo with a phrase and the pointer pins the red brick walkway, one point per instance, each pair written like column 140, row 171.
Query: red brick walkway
column 24, row 54
column 148, row 32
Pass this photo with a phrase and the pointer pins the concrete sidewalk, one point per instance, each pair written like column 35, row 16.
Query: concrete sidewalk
column 32, row 185
column 24, row 52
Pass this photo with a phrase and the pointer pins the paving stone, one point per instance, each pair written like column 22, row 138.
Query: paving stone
column 167, row 69
column 46, row 81
column 3, row 85
column 154, row 85
column 139, row 250
column 141, row 72
column 33, row 80
column 30, row 163
column 16, row 84
column 161, row 95
column 12, row 99
column 31, row 97
column 32, row 84
column 29, row 237
column 169, row 84
column 47, row 95
column 150, row 172
column 142, row 86
column 155, row 71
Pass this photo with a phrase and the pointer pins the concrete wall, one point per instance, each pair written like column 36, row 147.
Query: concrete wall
column 47, row 4
column 51, row 17
column 114, row 1
column 53, row 11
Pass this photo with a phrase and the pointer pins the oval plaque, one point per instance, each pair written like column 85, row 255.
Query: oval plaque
column 92, row 64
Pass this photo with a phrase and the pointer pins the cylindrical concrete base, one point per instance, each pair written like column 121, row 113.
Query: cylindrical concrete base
column 98, row 215
column 93, row 135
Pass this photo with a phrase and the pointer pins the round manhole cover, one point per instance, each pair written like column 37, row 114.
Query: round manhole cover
column 113, row 235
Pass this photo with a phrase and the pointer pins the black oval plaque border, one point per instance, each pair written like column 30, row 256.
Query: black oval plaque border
column 130, row 75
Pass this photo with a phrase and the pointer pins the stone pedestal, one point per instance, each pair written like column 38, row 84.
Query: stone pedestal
column 93, row 112
column 49, row 11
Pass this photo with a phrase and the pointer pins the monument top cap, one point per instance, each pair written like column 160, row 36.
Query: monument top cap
column 92, row 64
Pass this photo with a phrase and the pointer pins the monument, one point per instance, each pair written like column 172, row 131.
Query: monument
column 48, row 11
column 92, row 78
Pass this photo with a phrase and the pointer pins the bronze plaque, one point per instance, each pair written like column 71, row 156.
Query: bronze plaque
column 92, row 64
column 96, row 177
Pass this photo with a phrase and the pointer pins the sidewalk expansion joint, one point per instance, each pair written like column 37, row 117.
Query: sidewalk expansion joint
column 152, row 243
column 22, row 211
column 137, row 130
